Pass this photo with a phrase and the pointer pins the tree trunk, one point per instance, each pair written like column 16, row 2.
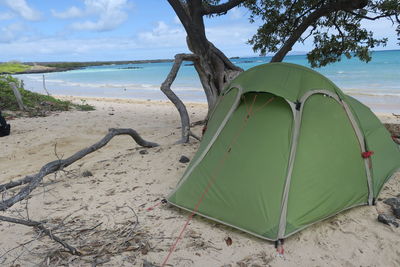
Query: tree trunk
column 215, row 70
column 214, row 75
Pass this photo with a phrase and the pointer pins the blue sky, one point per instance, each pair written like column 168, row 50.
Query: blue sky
column 88, row 30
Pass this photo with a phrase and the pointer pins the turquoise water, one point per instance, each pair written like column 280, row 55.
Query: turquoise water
column 376, row 83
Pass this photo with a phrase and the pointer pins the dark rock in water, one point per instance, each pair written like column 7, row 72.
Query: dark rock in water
column 387, row 219
column 189, row 64
column 184, row 159
column 87, row 174
column 143, row 152
column 130, row 68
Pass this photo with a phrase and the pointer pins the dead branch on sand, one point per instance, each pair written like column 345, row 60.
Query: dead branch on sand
column 33, row 181
column 40, row 227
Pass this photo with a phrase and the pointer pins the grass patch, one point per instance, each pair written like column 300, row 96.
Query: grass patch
column 13, row 67
column 37, row 104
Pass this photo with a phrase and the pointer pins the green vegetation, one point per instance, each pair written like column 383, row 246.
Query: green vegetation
column 37, row 104
column 13, row 67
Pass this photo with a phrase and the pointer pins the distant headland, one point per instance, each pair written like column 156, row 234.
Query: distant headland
column 14, row 67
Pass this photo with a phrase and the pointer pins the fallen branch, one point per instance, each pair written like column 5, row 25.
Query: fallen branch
column 196, row 123
column 12, row 184
column 194, row 136
column 40, row 227
column 33, row 181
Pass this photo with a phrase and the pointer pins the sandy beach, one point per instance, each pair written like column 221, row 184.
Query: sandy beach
column 97, row 210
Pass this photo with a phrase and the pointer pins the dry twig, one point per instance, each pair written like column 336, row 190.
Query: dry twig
column 39, row 226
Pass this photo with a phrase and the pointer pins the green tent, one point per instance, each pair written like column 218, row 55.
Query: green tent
column 285, row 148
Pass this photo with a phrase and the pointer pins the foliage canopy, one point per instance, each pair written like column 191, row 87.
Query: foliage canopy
column 335, row 26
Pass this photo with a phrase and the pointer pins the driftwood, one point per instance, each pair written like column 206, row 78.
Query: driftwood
column 33, row 181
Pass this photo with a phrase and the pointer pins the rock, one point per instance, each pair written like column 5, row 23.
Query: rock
column 387, row 219
column 396, row 211
column 148, row 264
column 394, row 203
column 87, row 174
column 184, row 159
column 228, row 241
column 143, row 152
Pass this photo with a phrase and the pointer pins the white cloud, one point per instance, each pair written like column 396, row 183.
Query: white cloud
column 10, row 32
column 235, row 13
column 6, row 16
column 163, row 36
column 22, row 8
column 230, row 38
column 109, row 14
column 72, row 12
column 232, row 34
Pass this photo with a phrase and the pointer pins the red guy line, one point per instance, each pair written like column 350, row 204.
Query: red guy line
column 212, row 179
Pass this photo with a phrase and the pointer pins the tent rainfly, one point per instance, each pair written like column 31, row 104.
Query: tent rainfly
column 285, row 148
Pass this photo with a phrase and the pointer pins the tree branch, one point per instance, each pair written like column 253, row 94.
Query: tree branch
column 222, row 8
column 12, row 184
column 313, row 17
column 371, row 18
column 60, row 164
column 343, row 5
column 46, row 231
column 166, row 89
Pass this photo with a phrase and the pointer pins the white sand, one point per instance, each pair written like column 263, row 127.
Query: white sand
column 124, row 177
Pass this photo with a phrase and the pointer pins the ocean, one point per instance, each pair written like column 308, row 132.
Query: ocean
column 376, row 84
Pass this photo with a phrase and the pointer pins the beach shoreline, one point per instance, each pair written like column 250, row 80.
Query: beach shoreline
column 125, row 177
column 375, row 84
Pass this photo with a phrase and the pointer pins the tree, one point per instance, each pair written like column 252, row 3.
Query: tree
column 335, row 26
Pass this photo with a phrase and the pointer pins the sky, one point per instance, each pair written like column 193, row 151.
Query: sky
column 97, row 30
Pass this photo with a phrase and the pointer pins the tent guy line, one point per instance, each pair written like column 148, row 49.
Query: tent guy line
column 211, row 181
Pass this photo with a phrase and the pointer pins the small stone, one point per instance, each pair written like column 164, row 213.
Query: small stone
column 87, row 174
column 148, row 264
column 392, row 201
column 184, row 159
column 228, row 241
column 143, row 152
column 387, row 219
column 396, row 211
